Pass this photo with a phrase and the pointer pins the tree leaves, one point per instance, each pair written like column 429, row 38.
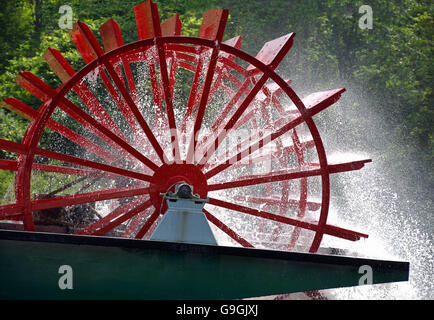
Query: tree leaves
column 392, row 63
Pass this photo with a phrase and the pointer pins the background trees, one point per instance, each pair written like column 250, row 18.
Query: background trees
column 387, row 70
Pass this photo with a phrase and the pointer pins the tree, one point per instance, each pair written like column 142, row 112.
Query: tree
column 389, row 66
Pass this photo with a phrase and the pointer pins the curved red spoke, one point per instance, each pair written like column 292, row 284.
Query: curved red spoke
column 231, row 233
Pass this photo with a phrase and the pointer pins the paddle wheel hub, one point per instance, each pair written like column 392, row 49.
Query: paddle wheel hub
column 168, row 176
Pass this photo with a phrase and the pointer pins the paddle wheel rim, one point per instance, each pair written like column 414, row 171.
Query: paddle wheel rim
column 160, row 182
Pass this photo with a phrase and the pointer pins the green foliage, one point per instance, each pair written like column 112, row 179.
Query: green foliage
column 390, row 64
column 7, row 195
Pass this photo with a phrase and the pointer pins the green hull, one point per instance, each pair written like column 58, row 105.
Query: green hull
column 114, row 268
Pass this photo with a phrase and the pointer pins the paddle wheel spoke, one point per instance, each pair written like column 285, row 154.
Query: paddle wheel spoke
column 11, row 211
column 18, row 148
column 90, row 229
column 135, row 223
column 148, row 224
column 100, row 195
column 272, row 177
column 285, row 204
column 221, row 71
column 271, row 59
column 36, row 86
column 61, row 169
column 169, row 103
column 144, row 17
column 303, row 205
column 91, row 164
column 194, row 87
column 137, row 113
column 318, row 101
column 231, row 233
column 131, row 108
column 213, row 27
column 112, row 38
column 64, row 71
column 330, row 230
column 216, row 126
column 30, row 114
column 73, row 183
column 90, row 49
column 128, row 215
column 69, row 200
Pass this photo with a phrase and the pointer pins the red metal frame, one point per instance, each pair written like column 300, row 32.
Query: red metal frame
column 260, row 86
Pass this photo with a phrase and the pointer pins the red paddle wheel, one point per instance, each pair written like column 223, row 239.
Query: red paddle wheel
column 141, row 117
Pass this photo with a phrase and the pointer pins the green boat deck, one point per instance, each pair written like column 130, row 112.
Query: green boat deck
column 117, row 268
